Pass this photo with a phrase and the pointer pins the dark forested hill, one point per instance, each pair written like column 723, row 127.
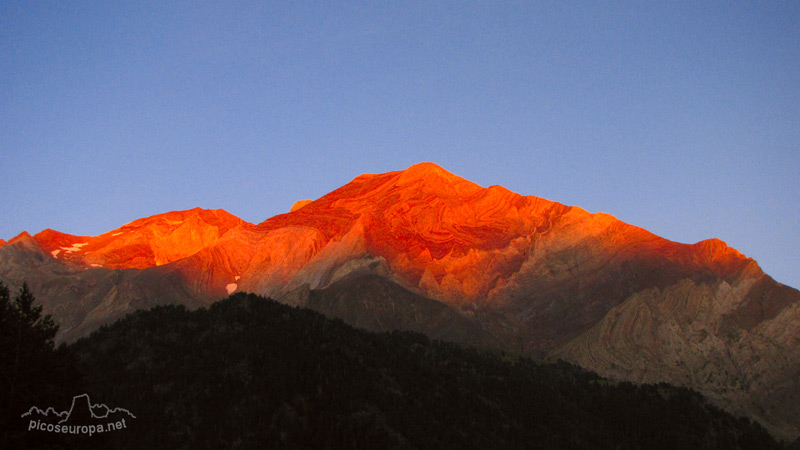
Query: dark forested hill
column 251, row 373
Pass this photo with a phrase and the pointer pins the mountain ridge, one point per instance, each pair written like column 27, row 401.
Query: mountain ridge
column 532, row 274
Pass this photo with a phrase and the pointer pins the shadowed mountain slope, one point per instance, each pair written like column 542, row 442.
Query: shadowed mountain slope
column 425, row 250
column 248, row 372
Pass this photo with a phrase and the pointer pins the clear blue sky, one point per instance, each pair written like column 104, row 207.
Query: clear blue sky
column 682, row 118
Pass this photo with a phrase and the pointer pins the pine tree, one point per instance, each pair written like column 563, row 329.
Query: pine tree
column 25, row 337
column 33, row 372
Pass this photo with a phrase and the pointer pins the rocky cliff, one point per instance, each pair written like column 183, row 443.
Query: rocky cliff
column 425, row 250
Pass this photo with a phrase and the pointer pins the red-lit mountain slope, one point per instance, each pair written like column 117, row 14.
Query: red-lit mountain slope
column 143, row 243
column 423, row 249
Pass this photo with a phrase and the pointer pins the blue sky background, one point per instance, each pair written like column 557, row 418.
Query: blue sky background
column 682, row 118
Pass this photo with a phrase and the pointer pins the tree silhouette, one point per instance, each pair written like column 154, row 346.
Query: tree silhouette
column 33, row 372
column 248, row 372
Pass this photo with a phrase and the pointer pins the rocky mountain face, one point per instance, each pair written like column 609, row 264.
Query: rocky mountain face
column 425, row 250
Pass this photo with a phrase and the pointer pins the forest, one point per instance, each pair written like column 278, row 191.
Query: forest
column 249, row 372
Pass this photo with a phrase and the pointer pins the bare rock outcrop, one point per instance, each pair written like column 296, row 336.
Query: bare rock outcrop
column 425, row 250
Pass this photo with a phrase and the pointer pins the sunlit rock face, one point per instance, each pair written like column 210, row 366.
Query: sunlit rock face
column 425, row 250
column 299, row 204
column 143, row 243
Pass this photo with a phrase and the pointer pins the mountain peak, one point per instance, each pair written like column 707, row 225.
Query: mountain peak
column 299, row 204
column 539, row 276
column 20, row 237
column 715, row 249
column 216, row 217
column 435, row 178
column 427, row 169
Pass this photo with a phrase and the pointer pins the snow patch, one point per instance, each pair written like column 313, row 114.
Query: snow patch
column 236, row 278
column 231, row 287
column 95, row 265
column 74, row 248
column 117, row 234
column 55, row 252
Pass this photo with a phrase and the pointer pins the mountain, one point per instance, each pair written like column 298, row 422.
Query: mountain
column 424, row 250
column 248, row 372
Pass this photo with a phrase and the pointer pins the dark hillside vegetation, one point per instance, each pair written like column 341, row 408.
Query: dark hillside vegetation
column 248, row 372
column 34, row 372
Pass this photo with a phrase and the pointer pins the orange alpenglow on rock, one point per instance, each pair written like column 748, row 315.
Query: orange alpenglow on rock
column 436, row 233
column 148, row 242
column 299, row 204
column 425, row 250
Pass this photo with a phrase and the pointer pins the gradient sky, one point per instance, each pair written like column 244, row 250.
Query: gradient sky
column 682, row 118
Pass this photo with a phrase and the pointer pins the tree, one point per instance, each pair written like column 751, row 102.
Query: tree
column 26, row 337
column 33, row 372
